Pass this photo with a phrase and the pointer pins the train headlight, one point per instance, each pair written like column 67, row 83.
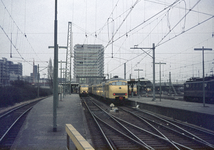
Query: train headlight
column 114, row 94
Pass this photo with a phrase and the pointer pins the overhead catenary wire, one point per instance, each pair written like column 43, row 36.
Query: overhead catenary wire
column 18, row 30
column 147, row 22
column 196, row 25
column 131, row 30
column 161, row 43
column 170, row 30
column 14, row 45
column 146, row 33
column 111, row 40
column 110, row 15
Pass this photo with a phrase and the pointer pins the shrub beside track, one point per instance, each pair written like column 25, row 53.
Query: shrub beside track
column 20, row 91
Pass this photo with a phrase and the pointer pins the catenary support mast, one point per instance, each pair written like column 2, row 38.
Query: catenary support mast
column 69, row 54
column 55, row 81
column 202, row 49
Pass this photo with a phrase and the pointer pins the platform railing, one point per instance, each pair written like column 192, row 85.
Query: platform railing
column 76, row 137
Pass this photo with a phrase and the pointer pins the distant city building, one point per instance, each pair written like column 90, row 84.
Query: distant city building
column 88, row 63
column 9, row 71
column 34, row 74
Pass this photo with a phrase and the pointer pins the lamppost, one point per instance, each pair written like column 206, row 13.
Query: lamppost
column 202, row 49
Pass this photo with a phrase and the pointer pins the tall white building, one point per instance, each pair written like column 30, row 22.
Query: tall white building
column 88, row 63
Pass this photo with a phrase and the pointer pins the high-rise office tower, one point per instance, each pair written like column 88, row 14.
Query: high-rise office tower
column 88, row 63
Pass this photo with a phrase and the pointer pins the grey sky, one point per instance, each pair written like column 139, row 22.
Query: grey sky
column 129, row 22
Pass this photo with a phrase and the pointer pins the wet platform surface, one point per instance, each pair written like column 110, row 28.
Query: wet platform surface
column 37, row 131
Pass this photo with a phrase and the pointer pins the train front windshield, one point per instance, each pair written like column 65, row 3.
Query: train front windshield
column 84, row 86
column 118, row 83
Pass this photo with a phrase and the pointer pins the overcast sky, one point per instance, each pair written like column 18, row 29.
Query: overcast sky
column 175, row 27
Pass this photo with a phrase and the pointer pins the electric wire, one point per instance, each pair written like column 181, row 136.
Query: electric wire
column 24, row 34
column 14, row 45
column 161, row 43
column 170, row 30
column 131, row 30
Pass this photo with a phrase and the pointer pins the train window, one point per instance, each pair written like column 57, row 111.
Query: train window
column 84, row 86
column 118, row 83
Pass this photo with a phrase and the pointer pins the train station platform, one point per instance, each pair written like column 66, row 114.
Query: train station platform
column 191, row 112
column 37, row 130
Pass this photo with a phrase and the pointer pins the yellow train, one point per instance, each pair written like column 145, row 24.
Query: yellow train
column 114, row 90
column 83, row 90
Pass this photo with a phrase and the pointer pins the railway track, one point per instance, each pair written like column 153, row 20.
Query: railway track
column 11, row 122
column 131, row 128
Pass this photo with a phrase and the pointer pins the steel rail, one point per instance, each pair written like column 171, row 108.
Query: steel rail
column 18, row 107
column 190, row 126
column 12, row 110
column 153, row 134
column 147, row 120
column 194, row 137
column 145, row 145
column 6, row 132
column 182, row 134
column 103, row 133
column 163, row 138
column 121, row 133
column 150, row 133
column 152, row 127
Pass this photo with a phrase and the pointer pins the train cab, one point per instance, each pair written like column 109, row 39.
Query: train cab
column 83, row 90
column 116, row 90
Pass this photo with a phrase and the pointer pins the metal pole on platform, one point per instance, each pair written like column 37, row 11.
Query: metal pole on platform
column 125, row 71
column 153, row 48
column 202, row 49
column 138, row 82
column 61, row 80
column 55, row 81
column 38, row 81
column 153, row 57
column 160, row 76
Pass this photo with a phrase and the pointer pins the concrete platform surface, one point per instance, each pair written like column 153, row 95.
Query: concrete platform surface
column 37, row 131
column 177, row 104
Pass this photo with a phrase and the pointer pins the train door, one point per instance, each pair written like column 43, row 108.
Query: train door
column 103, row 89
